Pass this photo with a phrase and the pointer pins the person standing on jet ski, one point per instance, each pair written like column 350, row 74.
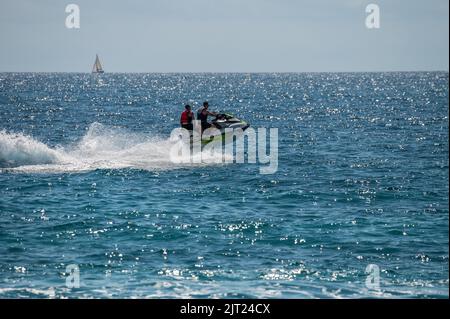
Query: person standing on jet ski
column 186, row 118
column 202, row 116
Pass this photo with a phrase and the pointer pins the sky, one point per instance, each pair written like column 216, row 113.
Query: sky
column 224, row 36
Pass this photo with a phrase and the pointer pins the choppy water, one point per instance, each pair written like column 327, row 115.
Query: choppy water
column 86, row 179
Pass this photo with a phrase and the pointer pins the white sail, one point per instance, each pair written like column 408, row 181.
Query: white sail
column 97, row 68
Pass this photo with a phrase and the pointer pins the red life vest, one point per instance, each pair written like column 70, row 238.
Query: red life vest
column 185, row 118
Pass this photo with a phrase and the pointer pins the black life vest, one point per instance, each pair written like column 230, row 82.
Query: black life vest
column 202, row 117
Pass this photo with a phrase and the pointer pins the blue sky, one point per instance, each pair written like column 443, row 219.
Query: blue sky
column 224, row 36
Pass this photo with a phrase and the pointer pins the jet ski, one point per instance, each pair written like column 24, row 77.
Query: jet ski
column 221, row 122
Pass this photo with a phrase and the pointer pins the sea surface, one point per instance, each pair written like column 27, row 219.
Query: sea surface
column 87, row 184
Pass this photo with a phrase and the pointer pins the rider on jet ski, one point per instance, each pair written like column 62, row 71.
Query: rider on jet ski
column 186, row 118
column 202, row 116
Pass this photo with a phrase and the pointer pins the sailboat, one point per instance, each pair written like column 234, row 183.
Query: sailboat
column 97, row 68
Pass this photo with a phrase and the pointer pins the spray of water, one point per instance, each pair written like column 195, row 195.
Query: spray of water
column 100, row 148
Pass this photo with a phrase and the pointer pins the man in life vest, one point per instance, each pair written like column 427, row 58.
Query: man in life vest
column 202, row 116
column 186, row 118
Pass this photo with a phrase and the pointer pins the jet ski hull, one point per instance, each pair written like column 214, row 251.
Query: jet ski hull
column 221, row 123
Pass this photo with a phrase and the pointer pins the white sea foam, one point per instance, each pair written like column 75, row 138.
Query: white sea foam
column 24, row 292
column 100, row 148
column 17, row 150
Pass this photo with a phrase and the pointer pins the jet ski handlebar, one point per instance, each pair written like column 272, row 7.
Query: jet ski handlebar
column 223, row 116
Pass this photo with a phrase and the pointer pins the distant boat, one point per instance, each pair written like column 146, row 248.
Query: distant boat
column 97, row 68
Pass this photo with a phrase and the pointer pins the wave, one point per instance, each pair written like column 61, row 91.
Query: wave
column 100, row 148
column 18, row 149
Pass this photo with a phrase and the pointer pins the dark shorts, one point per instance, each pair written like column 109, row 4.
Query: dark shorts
column 205, row 125
column 188, row 127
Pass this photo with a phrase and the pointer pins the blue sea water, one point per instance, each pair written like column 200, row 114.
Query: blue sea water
column 362, row 179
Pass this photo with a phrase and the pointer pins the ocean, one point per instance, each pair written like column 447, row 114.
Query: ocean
column 92, row 206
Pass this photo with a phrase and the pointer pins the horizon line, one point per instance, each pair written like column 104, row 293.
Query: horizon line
column 228, row 72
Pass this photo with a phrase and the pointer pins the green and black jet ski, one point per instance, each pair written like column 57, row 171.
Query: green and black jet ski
column 221, row 122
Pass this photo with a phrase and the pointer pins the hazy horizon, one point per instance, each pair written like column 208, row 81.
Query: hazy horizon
column 251, row 36
column 234, row 72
